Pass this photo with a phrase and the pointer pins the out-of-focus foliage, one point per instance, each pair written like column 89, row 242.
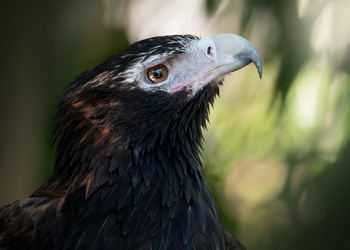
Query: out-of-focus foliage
column 277, row 149
column 280, row 153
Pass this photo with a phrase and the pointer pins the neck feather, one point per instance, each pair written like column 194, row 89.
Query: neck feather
column 109, row 136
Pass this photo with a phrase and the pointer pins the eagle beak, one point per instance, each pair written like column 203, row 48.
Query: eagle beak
column 234, row 52
column 211, row 58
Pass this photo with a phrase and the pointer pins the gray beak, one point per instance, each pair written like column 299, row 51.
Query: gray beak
column 235, row 52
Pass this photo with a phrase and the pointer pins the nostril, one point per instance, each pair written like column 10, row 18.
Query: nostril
column 209, row 50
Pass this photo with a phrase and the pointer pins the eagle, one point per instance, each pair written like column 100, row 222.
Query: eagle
column 128, row 165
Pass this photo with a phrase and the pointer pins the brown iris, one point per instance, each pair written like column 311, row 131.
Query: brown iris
column 157, row 73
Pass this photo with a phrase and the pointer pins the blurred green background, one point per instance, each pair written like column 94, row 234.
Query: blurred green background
column 277, row 150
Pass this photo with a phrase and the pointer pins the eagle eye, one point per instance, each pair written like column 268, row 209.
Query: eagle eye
column 157, row 74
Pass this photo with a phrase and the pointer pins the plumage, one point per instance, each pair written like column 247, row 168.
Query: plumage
column 128, row 170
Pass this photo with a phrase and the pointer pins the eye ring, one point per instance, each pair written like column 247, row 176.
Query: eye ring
column 157, row 74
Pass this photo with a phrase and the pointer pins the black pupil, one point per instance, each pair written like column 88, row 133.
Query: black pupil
column 158, row 73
